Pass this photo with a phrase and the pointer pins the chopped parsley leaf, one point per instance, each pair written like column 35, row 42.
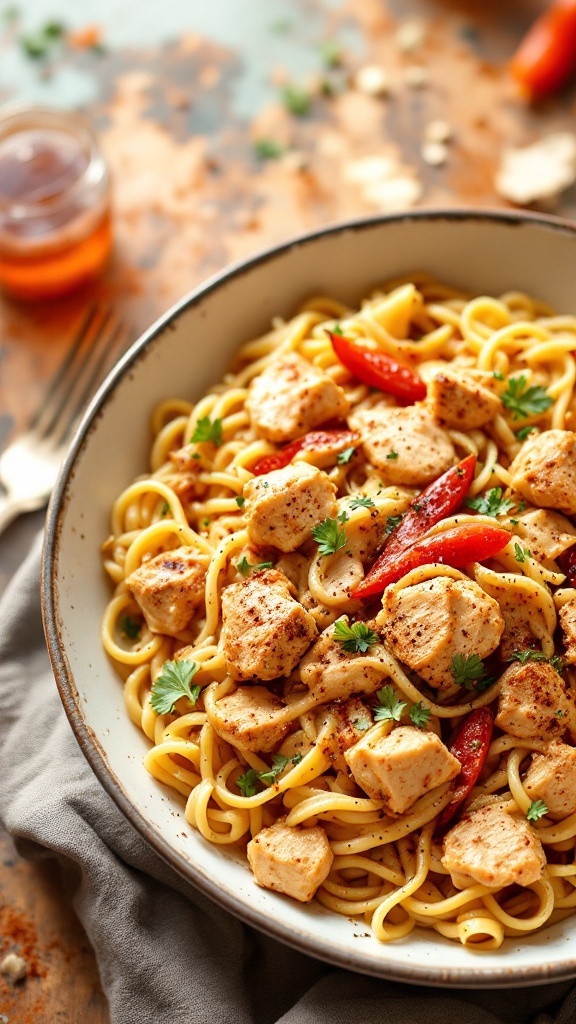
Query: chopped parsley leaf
column 522, row 554
column 491, row 504
column 329, row 536
column 297, row 100
column 497, row 375
column 208, row 430
column 269, row 149
column 244, row 566
column 247, row 783
column 337, row 330
column 173, row 683
column 362, row 501
column 391, row 523
column 531, row 655
column 239, row 500
column 522, row 401
column 356, row 639
column 279, row 763
column 388, row 707
column 536, row 810
column 420, row 715
column 130, row 627
column 468, row 671
column 344, row 457
column 392, row 455
column 522, row 434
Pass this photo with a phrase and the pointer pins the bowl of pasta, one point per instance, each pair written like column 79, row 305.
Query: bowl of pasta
column 309, row 591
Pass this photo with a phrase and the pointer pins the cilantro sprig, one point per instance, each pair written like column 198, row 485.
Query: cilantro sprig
column 356, row 638
column 244, row 566
column 389, row 707
column 172, row 683
column 491, row 504
column 248, row 782
column 420, row 715
column 529, row 654
column 361, row 501
column 468, row 671
column 330, row 535
column 536, row 810
column 208, row 430
column 522, row 401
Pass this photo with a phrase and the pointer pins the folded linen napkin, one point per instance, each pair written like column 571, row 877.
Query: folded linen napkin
column 164, row 951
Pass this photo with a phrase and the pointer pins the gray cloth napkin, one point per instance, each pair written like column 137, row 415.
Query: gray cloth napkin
column 166, row 954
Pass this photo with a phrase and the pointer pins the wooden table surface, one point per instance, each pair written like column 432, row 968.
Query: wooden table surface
column 181, row 100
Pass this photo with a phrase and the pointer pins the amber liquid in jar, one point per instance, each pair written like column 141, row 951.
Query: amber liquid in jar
column 55, row 222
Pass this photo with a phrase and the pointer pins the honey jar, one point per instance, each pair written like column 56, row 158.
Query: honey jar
column 55, row 217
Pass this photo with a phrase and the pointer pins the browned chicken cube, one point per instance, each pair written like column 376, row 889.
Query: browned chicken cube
column 406, row 444
column 282, row 507
column 332, row 673
column 551, row 778
column 170, row 588
column 493, row 848
column 544, row 471
column 401, row 767
column 294, row 861
column 567, row 619
column 427, row 624
column 534, row 702
column 265, row 631
column 292, row 396
column 249, row 719
column 351, row 719
column 463, row 398
column 545, row 533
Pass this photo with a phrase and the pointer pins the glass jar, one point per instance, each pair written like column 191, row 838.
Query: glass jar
column 55, row 218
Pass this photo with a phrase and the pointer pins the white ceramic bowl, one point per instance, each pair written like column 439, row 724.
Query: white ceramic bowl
column 184, row 354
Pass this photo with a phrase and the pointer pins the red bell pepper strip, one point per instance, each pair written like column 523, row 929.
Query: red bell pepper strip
column 434, row 503
column 320, row 441
column 546, row 57
column 378, row 370
column 567, row 563
column 468, row 542
column 470, row 747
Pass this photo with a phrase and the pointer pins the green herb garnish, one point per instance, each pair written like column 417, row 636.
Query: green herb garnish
column 536, row 810
column 522, row 401
column 356, row 638
column 173, row 683
column 247, row 783
column 522, row 554
column 361, row 501
column 297, row 100
column 244, row 566
column 420, row 715
column 130, row 627
column 523, row 657
column 392, row 455
column 330, row 536
column 522, row 434
column 239, row 500
column 269, row 149
column 344, row 457
column 279, row 763
column 391, row 523
column 389, row 707
column 208, row 430
column 468, row 671
column 491, row 504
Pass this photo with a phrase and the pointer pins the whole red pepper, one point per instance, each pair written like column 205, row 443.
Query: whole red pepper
column 320, row 441
column 378, row 370
column 468, row 542
column 470, row 747
column 434, row 503
column 546, row 57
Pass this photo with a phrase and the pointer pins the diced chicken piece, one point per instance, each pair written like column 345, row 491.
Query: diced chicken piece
column 332, row 673
column 462, row 398
column 292, row 396
column 427, row 624
column 351, row 719
column 294, row 861
column 551, row 778
column 534, row 702
column 249, row 719
column 493, row 848
column 282, row 507
column 169, row 588
column 546, row 534
column 265, row 631
column 567, row 617
column 405, row 444
column 544, row 471
column 401, row 767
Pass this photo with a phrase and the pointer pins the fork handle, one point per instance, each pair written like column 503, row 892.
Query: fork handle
column 10, row 510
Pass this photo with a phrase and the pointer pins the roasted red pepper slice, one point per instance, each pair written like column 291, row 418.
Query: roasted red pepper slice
column 468, row 542
column 378, row 370
column 315, row 441
column 546, row 57
column 470, row 746
column 434, row 503
column 567, row 563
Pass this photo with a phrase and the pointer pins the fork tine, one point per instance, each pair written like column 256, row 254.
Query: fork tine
column 78, row 375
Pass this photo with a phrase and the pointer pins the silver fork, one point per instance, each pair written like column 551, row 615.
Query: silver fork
column 29, row 466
